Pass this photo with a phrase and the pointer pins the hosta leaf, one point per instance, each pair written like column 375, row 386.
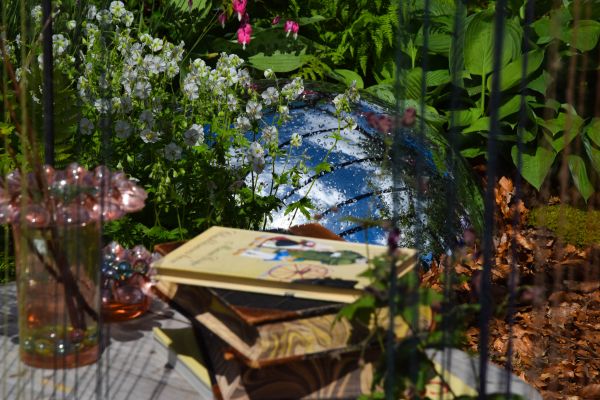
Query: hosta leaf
column 536, row 164
column 512, row 73
column 279, row 62
column 587, row 32
column 479, row 43
column 347, row 76
column 184, row 5
column 593, row 154
column 580, row 176
column 592, row 130
column 466, row 117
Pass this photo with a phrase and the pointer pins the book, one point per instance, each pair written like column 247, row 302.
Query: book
column 343, row 376
column 274, row 263
column 302, row 331
column 185, row 357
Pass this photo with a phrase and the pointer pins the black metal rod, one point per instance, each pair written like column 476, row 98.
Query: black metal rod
column 489, row 211
column 48, row 101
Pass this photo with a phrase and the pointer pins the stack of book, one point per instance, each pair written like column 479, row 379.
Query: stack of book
column 264, row 309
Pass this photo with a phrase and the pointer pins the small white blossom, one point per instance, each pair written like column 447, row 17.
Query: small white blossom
column 172, row 152
column 270, row 96
column 147, row 118
column 122, row 129
column 190, row 88
column 156, row 44
column 232, row 102
column 36, row 14
column 142, row 89
column 194, row 136
column 172, row 69
column 59, row 44
column 253, row 109
column 149, row 136
column 292, row 90
column 86, row 127
column 255, row 150
column 296, row 140
column 92, row 11
column 117, row 9
column 71, row 24
column 103, row 17
column 270, row 134
column 146, row 39
column 242, row 123
column 269, row 74
column 102, row 105
column 284, row 112
column 126, row 104
column 128, row 19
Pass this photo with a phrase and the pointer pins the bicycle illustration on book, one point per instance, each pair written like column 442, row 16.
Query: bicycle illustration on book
column 294, row 271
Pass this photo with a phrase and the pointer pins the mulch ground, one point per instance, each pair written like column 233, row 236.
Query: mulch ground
column 555, row 334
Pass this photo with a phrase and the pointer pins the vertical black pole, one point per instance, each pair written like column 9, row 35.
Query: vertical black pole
column 48, row 92
column 490, row 206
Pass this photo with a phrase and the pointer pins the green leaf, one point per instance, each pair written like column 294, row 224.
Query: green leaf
column 558, row 124
column 6, row 128
column 510, row 107
column 481, row 125
column 592, row 130
column 511, row 74
column 466, row 117
column 541, row 83
column 593, row 154
column 278, row 61
column 580, row 176
column 384, row 92
column 587, row 31
column 183, row 5
column 348, row 76
column 479, row 43
column 303, row 21
column 536, row 164
column 473, row 152
column 364, row 305
column 323, row 166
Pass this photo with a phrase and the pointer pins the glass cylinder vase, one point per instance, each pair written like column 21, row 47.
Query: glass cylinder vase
column 58, row 293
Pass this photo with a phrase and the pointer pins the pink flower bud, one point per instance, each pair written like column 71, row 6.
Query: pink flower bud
column 276, row 20
column 239, row 7
column 291, row 27
column 222, row 19
column 244, row 34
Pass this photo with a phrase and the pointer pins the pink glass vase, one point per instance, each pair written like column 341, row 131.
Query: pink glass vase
column 56, row 219
column 58, row 296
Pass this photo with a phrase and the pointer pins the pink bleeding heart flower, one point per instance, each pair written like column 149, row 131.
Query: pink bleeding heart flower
column 222, row 19
column 244, row 34
column 291, row 27
column 239, row 7
column 276, row 20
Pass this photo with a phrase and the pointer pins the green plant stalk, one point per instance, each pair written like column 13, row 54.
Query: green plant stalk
column 483, row 87
column 314, row 180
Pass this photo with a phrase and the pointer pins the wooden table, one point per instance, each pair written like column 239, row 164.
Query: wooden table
column 132, row 365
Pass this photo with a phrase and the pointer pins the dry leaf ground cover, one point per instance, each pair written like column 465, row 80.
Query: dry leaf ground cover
column 555, row 334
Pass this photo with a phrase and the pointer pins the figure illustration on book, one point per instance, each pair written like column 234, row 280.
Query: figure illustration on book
column 283, row 248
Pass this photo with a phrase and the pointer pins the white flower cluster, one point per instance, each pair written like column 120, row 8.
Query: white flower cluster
column 291, row 91
column 343, row 101
column 138, row 63
column 256, row 157
column 203, row 81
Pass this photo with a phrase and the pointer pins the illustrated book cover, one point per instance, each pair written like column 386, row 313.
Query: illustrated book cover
column 274, row 263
